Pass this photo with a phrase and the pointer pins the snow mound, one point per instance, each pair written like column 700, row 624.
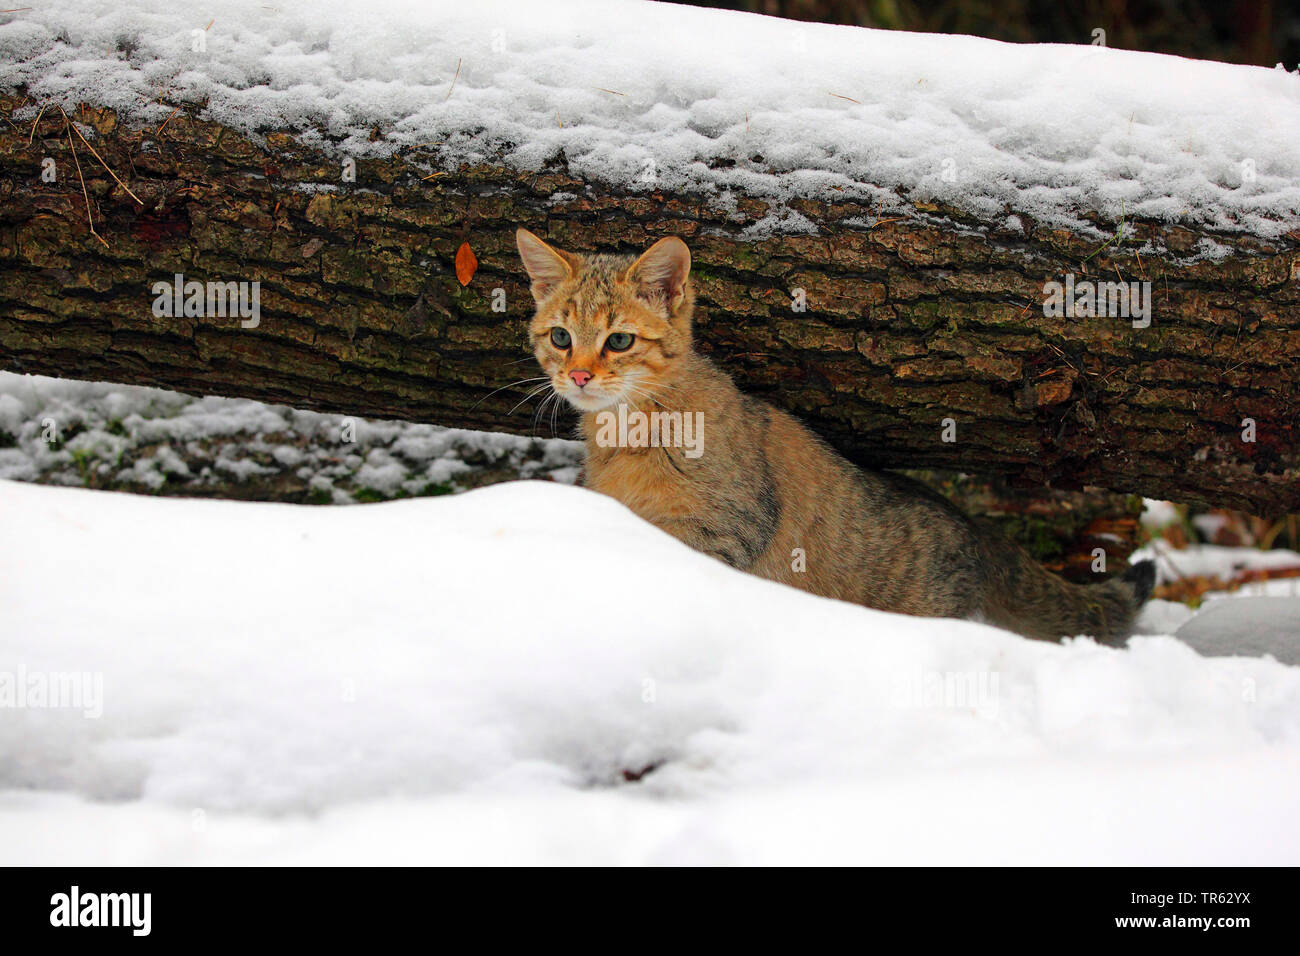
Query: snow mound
column 532, row 671
column 659, row 96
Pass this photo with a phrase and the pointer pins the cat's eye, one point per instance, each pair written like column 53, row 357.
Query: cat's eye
column 560, row 338
column 619, row 341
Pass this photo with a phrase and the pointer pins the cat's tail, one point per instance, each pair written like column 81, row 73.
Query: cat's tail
column 1025, row 597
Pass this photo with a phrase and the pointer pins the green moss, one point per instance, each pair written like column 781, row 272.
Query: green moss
column 82, row 458
column 430, row 490
column 920, row 315
column 1036, row 535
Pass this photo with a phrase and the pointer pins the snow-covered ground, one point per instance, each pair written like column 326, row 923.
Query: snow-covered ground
column 651, row 95
column 123, row 437
column 529, row 673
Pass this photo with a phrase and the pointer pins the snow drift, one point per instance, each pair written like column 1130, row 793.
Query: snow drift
column 530, row 673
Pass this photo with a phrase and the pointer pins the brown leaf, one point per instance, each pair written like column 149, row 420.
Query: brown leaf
column 466, row 263
column 1053, row 392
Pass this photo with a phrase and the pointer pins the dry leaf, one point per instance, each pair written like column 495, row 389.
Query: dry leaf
column 466, row 263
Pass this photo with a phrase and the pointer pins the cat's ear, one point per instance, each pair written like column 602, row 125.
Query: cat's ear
column 547, row 267
column 662, row 270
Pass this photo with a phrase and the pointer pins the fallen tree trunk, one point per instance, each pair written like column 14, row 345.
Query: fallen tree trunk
column 924, row 343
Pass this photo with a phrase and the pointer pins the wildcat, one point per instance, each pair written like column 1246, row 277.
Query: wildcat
column 614, row 331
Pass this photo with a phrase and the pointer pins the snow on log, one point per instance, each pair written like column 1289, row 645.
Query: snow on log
column 1079, row 263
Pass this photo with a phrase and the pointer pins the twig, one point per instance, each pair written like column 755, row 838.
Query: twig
column 453, row 81
column 37, row 123
column 73, row 146
column 101, row 161
column 158, row 131
column 1119, row 235
column 880, row 207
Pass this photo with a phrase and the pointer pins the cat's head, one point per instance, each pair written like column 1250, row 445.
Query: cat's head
column 609, row 328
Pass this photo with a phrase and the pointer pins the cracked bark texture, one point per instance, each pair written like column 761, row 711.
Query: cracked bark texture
column 910, row 320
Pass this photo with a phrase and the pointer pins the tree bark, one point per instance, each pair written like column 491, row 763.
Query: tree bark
column 910, row 319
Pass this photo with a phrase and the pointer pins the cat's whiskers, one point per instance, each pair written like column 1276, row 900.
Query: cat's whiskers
column 541, row 409
column 537, row 391
column 642, row 391
column 522, row 381
column 555, row 402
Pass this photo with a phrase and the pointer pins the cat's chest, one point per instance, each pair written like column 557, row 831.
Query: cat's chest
column 649, row 481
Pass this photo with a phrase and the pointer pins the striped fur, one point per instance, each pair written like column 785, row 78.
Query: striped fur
column 766, row 490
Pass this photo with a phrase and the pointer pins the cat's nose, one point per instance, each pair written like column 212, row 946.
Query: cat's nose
column 580, row 377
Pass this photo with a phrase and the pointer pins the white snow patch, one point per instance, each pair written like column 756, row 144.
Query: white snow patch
column 476, row 677
column 1211, row 560
column 1157, row 515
